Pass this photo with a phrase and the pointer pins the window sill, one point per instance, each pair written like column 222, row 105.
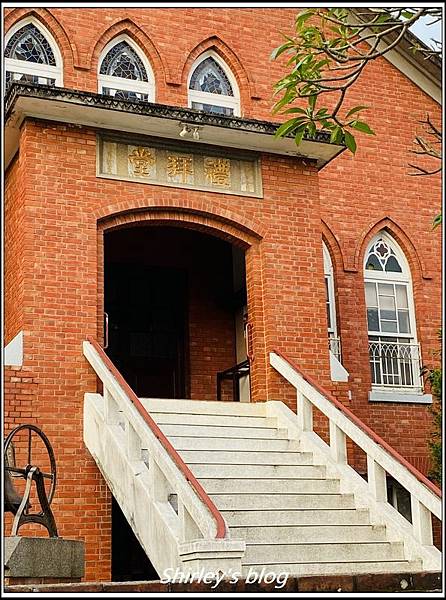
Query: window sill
column 337, row 370
column 399, row 396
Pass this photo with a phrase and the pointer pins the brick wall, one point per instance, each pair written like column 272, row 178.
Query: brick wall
column 61, row 284
column 58, row 213
column 14, row 250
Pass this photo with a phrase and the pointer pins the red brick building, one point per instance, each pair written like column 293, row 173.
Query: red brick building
column 143, row 181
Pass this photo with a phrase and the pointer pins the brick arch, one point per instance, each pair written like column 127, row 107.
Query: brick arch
column 67, row 47
column 225, row 224
column 128, row 27
column 333, row 246
column 245, row 82
column 417, row 266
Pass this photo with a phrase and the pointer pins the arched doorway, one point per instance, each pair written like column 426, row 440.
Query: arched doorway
column 175, row 299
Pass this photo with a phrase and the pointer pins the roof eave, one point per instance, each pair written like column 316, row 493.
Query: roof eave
column 104, row 112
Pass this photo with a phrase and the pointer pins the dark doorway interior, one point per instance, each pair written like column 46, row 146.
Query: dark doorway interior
column 172, row 296
column 129, row 561
column 146, row 307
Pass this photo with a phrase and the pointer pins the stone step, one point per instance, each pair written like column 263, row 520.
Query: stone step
column 271, row 486
column 336, row 568
column 223, row 431
column 200, row 407
column 266, row 554
column 309, row 534
column 282, row 501
column 290, row 518
column 233, row 444
column 260, row 471
column 240, row 457
column 220, row 420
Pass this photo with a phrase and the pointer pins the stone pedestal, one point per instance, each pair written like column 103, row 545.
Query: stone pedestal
column 42, row 560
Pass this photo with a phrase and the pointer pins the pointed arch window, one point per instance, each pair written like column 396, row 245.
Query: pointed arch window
column 393, row 348
column 212, row 87
column 124, row 72
column 32, row 55
column 333, row 339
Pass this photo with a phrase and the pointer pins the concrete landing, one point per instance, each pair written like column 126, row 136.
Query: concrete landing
column 394, row 582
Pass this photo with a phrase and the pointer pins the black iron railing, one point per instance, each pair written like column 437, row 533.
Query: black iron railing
column 235, row 373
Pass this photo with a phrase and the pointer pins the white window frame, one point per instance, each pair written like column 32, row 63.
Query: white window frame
column 381, row 392
column 403, row 278
column 329, row 276
column 120, row 83
column 215, row 99
column 30, row 68
column 337, row 370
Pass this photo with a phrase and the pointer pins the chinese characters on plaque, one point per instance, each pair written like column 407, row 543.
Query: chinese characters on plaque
column 163, row 166
column 141, row 162
column 180, row 169
column 218, row 171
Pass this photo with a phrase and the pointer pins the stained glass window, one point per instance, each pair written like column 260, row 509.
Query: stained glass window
column 28, row 78
column 32, row 56
column 124, row 74
column 122, row 61
column 209, row 77
column 124, row 94
column 29, row 44
column 211, row 108
column 211, row 90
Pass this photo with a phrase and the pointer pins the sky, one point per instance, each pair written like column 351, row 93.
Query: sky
column 425, row 32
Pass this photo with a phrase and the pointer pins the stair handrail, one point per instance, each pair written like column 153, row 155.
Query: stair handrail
column 425, row 496
column 357, row 421
column 179, row 462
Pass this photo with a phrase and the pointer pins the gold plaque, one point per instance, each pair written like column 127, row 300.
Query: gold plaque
column 218, row 171
column 141, row 161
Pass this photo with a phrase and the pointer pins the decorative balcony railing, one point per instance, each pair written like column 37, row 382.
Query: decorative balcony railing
column 396, row 364
column 334, row 344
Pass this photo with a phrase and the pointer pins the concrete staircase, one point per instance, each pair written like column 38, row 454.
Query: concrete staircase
column 273, row 495
column 240, row 487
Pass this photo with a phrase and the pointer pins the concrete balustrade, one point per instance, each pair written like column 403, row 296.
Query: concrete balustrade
column 122, row 445
column 425, row 501
column 180, row 469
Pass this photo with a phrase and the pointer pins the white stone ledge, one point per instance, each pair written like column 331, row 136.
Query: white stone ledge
column 13, row 352
column 403, row 396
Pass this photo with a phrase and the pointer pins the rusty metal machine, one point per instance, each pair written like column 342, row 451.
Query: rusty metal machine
column 23, row 446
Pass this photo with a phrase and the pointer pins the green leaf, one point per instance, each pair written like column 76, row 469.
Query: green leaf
column 302, row 17
column 383, row 17
column 350, row 141
column 407, row 14
column 279, row 50
column 285, row 128
column 288, row 97
column 312, row 101
column 355, row 109
column 361, row 126
column 327, row 124
column 336, row 135
column 311, row 128
column 437, row 221
column 294, row 110
column 300, row 134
